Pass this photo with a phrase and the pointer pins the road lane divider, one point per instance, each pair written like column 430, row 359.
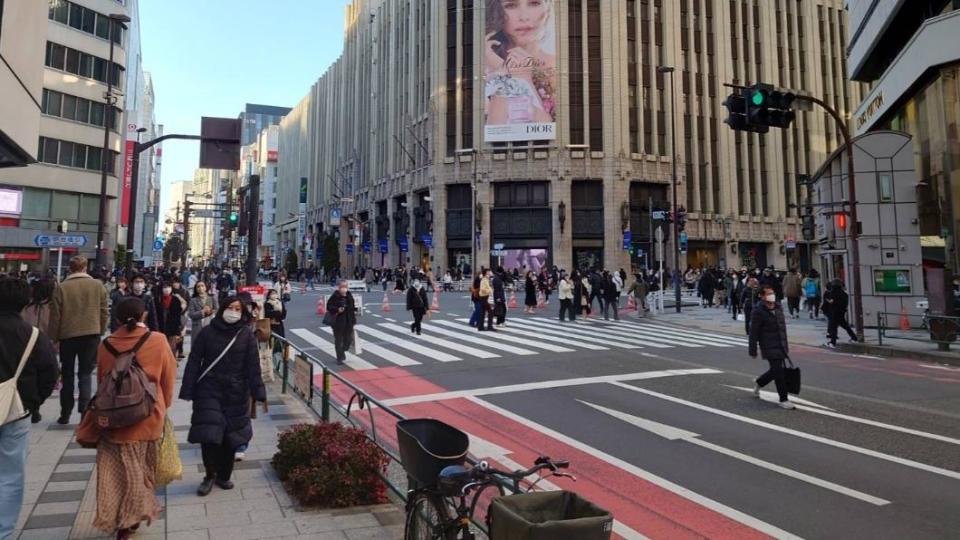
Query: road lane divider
column 676, row 434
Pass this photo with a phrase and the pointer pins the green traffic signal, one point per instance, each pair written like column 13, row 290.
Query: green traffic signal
column 757, row 98
column 233, row 217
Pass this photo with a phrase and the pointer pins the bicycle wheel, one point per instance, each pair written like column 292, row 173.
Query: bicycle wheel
column 426, row 517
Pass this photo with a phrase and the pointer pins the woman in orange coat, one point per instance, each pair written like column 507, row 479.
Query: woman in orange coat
column 127, row 457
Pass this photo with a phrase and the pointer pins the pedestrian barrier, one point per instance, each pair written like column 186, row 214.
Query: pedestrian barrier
column 296, row 369
column 940, row 329
column 322, row 306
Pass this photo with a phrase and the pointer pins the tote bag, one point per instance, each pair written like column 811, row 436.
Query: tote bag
column 792, row 375
column 11, row 408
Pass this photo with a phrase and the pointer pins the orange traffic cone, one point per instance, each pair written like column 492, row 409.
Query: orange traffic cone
column 631, row 304
column 322, row 306
column 904, row 320
column 386, row 303
column 513, row 300
column 303, row 287
column 435, row 305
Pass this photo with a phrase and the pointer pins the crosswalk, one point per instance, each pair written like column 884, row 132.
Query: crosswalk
column 385, row 344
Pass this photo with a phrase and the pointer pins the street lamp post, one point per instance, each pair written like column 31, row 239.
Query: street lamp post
column 473, row 208
column 109, row 120
column 668, row 70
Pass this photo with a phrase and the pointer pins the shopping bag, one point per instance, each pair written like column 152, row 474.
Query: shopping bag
column 266, row 362
column 329, row 318
column 169, row 466
column 741, row 317
column 355, row 347
column 792, row 376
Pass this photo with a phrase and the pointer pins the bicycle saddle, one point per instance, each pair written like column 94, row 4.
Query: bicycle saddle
column 452, row 479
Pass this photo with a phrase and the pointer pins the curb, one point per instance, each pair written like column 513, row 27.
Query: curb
column 951, row 358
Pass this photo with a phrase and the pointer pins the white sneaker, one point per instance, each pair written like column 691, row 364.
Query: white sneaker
column 829, row 345
column 756, row 389
column 787, row 405
column 238, row 456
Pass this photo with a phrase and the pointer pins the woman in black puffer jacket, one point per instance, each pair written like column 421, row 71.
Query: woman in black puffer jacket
column 221, row 394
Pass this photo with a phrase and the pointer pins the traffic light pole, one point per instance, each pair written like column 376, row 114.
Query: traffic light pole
column 854, row 233
column 253, row 234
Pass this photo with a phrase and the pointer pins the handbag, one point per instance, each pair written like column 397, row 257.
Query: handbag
column 741, row 317
column 792, row 375
column 265, row 352
column 264, row 330
column 169, row 466
column 11, row 408
column 329, row 317
column 356, row 347
column 217, row 361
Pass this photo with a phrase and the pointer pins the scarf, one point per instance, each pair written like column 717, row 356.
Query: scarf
column 166, row 301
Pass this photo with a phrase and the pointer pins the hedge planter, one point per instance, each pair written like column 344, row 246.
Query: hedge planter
column 330, row 466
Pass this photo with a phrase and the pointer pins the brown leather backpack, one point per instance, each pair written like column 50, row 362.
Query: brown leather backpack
column 126, row 395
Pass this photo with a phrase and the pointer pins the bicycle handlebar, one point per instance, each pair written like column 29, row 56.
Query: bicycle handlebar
column 543, row 462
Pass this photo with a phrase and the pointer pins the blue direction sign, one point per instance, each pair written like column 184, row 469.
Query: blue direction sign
column 427, row 240
column 383, row 245
column 683, row 242
column 404, row 244
column 366, row 246
column 158, row 245
column 349, row 249
column 627, row 239
column 59, row 240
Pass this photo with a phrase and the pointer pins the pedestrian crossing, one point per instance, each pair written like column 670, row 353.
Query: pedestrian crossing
column 385, row 344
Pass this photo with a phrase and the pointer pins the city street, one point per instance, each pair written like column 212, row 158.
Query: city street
column 660, row 424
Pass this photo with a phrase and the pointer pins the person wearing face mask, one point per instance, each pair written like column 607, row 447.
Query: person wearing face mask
column 344, row 310
column 747, row 300
column 221, row 377
column 274, row 310
column 138, row 289
column 768, row 330
column 169, row 315
column 201, row 309
column 416, row 304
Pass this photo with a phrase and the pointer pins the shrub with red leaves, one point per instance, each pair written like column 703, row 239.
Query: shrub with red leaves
column 330, row 466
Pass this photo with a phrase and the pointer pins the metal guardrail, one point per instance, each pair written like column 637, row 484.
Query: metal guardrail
column 363, row 400
column 942, row 329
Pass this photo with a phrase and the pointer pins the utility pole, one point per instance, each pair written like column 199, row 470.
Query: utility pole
column 667, row 70
column 253, row 233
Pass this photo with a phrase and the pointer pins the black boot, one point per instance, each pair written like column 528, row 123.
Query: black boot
column 205, row 487
column 35, row 416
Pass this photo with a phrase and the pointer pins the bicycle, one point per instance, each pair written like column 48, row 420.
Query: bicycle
column 428, row 508
column 443, row 503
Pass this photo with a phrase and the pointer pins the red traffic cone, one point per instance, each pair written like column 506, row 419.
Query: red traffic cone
column 386, row 303
column 631, row 305
column 435, row 305
column 303, row 287
column 904, row 320
column 513, row 300
column 540, row 302
column 322, row 306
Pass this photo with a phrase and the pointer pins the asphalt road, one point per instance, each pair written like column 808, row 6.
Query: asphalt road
column 661, row 428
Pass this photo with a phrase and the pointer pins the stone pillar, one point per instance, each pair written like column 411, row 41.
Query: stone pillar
column 616, row 191
column 562, row 248
column 485, row 203
column 438, row 204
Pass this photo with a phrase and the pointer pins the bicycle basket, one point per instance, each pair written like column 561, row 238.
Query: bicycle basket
column 550, row 515
column 427, row 446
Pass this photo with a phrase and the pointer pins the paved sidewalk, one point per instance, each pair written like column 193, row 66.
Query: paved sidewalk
column 60, row 498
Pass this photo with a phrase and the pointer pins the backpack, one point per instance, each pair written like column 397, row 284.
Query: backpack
column 810, row 288
column 126, row 395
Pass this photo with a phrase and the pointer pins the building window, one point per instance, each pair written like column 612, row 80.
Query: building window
column 575, row 48
column 595, row 68
column 451, row 77
column 84, row 19
column 74, row 155
column 76, row 108
column 886, row 188
column 81, row 63
column 466, row 121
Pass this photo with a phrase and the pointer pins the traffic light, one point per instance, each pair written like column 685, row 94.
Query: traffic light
column 808, row 224
column 841, row 221
column 768, row 107
column 681, row 218
column 234, row 219
column 739, row 108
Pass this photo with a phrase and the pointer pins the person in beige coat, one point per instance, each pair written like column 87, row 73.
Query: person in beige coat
column 78, row 318
column 792, row 291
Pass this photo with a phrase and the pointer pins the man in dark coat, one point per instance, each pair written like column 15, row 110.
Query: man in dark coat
column 611, row 297
column 416, row 304
column 342, row 305
column 221, row 390
column 748, row 297
column 768, row 330
column 835, row 304
column 706, row 288
column 499, row 298
column 770, row 279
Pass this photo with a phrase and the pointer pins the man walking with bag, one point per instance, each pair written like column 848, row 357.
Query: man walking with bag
column 768, row 329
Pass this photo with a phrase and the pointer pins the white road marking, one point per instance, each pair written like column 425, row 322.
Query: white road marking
column 472, row 351
column 772, row 397
column 511, row 339
column 570, row 337
column 630, row 468
column 816, row 438
column 389, row 319
column 453, row 314
column 384, row 353
column 431, row 328
column 646, row 338
column 353, row 360
column 429, row 353
column 541, row 385
column 934, row 366
column 680, row 331
column 672, row 434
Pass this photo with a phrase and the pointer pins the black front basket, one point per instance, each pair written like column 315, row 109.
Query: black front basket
column 427, row 446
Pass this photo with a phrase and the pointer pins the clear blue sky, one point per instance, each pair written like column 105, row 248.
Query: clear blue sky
column 210, row 57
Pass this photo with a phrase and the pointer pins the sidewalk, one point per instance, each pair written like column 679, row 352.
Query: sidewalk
column 60, row 497
column 810, row 332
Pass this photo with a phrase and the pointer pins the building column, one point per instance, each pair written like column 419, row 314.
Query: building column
column 438, row 204
column 616, row 191
column 485, row 203
column 562, row 248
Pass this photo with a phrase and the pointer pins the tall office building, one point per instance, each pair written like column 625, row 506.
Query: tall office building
column 65, row 182
column 910, row 54
column 445, row 144
column 256, row 118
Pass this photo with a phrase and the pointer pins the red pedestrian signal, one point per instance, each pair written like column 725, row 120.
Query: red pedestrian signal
column 842, row 221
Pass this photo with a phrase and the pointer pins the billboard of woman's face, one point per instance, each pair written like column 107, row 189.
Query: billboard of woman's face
column 520, row 70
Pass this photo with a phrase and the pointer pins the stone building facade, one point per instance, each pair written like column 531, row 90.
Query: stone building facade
column 391, row 137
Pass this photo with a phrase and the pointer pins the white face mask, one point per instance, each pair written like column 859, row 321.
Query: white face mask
column 770, row 298
column 231, row 316
column 167, row 291
column 138, row 287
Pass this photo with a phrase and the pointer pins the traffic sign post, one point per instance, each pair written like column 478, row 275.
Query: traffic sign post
column 158, row 245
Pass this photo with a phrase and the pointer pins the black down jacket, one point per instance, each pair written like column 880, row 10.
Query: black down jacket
column 221, row 401
column 768, row 329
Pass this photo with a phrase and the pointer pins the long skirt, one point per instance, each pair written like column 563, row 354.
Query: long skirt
column 125, row 484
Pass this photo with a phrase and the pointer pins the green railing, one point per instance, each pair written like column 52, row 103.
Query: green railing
column 940, row 329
